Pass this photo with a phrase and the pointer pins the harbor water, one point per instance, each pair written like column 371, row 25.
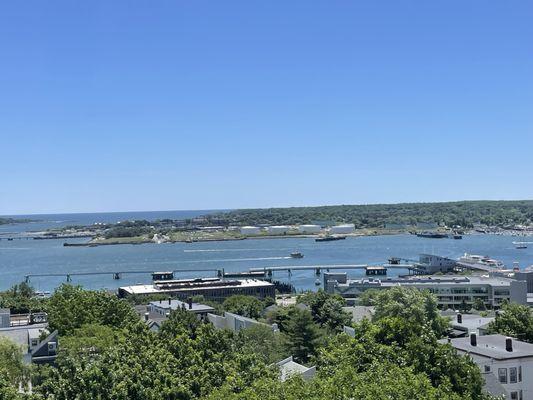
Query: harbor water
column 19, row 258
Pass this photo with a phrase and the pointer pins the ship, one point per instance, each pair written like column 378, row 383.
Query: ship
column 329, row 238
column 297, row 254
column 520, row 245
column 432, row 235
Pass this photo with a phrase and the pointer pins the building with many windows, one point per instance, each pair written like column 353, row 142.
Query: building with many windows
column 505, row 363
column 451, row 291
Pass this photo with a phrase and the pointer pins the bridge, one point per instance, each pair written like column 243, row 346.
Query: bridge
column 115, row 275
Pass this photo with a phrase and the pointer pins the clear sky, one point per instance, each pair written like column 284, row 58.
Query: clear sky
column 154, row 105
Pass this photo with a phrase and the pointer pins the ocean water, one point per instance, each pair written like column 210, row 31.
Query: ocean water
column 19, row 258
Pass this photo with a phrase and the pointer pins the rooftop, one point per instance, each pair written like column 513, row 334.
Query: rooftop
column 176, row 304
column 434, row 280
column 289, row 367
column 493, row 346
column 189, row 285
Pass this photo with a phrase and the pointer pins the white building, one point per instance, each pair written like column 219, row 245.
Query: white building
column 289, row 367
column 278, row 229
column 310, row 229
column 342, row 229
column 236, row 322
column 507, row 361
column 451, row 292
column 250, row 230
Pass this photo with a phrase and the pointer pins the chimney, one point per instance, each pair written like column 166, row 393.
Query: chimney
column 146, row 316
column 473, row 339
column 459, row 318
column 508, row 344
column 189, row 300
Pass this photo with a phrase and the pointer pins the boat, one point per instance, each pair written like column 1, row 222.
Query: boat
column 457, row 236
column 297, row 254
column 520, row 245
column 432, row 235
column 329, row 238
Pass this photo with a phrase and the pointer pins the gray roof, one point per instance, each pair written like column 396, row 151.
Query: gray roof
column 19, row 334
column 175, row 304
column 288, row 367
column 471, row 322
column 493, row 346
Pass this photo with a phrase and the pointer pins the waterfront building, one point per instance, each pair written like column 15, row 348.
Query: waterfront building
column 525, row 276
column 505, row 363
column 431, row 264
column 451, row 292
column 235, row 322
column 288, row 368
column 210, row 288
column 342, row 229
column 250, row 230
column 309, row 229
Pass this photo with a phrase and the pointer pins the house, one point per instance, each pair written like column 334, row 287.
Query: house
column 288, row 367
column 236, row 322
column 155, row 313
column 29, row 338
column 502, row 360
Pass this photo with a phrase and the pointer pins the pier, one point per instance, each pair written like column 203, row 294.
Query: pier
column 318, row 268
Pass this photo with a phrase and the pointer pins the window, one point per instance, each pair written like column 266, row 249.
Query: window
column 487, row 368
column 502, row 375
column 520, row 373
column 514, row 395
column 512, row 375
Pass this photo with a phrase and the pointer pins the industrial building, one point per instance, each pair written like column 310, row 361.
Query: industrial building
column 309, row 229
column 278, row 229
column 210, row 288
column 451, row 292
column 250, row 230
column 342, row 229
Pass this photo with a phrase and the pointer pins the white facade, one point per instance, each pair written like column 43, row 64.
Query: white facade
column 250, row 230
column 235, row 322
column 309, row 229
column 509, row 361
column 342, row 229
column 278, row 229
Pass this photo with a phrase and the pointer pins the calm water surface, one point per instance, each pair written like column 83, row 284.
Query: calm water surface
column 21, row 257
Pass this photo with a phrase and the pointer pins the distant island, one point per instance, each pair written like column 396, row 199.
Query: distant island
column 5, row 221
column 509, row 217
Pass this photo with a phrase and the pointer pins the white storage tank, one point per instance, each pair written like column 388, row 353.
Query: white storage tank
column 250, row 230
column 309, row 229
column 278, row 229
column 342, row 229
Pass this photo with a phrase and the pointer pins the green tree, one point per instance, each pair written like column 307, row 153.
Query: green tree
column 261, row 340
column 247, row 306
column 514, row 320
column 417, row 307
column 326, row 309
column 303, row 336
column 11, row 362
column 71, row 307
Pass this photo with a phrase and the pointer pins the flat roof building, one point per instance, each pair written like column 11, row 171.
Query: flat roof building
column 451, row 292
column 211, row 288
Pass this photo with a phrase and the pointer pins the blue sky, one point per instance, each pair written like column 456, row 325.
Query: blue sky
column 115, row 106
